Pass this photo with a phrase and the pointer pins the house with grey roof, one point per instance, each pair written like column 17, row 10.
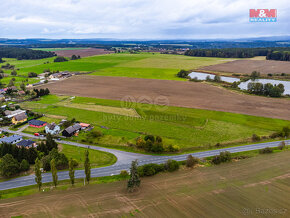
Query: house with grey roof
column 11, row 139
column 71, row 130
column 52, row 128
column 26, row 144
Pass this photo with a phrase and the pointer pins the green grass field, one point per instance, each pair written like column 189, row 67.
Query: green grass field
column 97, row 158
column 191, row 129
column 143, row 65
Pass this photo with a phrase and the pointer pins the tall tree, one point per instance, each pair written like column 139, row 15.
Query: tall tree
column 87, row 166
column 38, row 177
column 53, row 172
column 134, row 181
column 71, row 171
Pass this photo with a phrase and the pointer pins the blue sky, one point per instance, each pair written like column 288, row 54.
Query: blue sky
column 139, row 19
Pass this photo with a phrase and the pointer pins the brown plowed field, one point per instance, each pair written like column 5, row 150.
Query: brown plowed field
column 82, row 52
column 248, row 66
column 241, row 189
column 179, row 93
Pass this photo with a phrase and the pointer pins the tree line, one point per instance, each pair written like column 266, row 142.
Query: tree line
column 240, row 53
column 24, row 53
column 278, row 55
column 267, row 89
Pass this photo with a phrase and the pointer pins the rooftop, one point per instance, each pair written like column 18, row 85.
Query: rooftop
column 10, row 139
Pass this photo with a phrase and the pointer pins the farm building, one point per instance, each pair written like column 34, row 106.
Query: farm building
column 26, row 143
column 11, row 139
column 85, row 125
column 19, row 118
column 71, row 130
column 52, row 129
column 37, row 123
column 10, row 114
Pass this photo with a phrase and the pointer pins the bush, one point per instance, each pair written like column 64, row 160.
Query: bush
column 24, row 165
column 256, row 138
column 32, row 74
column 266, row 150
column 282, row 145
column 157, row 147
column 124, row 173
column 171, row 165
column 183, row 73
column 173, row 148
column 150, row 169
column 95, row 134
column 191, row 161
column 149, row 137
column 60, row 59
column 224, row 156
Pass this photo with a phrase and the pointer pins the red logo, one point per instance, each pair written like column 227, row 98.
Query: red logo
column 263, row 15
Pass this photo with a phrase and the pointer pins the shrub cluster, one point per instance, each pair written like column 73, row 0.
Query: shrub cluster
column 266, row 150
column 267, row 89
column 183, row 74
column 154, row 144
column 60, row 59
column 61, row 161
column 41, row 92
column 152, row 169
column 224, row 156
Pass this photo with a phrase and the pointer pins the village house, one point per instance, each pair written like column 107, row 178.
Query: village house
column 85, row 125
column 57, row 76
column 10, row 114
column 52, row 129
column 26, row 144
column 11, row 139
column 19, row 118
column 36, row 123
column 71, row 130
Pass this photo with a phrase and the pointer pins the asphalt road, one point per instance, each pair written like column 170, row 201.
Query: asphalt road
column 123, row 162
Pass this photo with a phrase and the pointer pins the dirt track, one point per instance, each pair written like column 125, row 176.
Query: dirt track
column 183, row 94
column 82, row 52
column 248, row 66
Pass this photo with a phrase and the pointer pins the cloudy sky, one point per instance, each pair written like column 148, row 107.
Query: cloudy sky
column 139, row 19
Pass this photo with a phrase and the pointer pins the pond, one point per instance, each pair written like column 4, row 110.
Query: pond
column 243, row 85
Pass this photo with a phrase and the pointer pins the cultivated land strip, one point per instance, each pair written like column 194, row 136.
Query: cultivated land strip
column 178, row 93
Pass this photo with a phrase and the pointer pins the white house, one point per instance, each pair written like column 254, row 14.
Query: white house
column 52, row 129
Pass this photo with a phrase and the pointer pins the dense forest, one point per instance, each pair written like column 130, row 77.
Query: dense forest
column 228, row 52
column 278, row 55
column 23, row 53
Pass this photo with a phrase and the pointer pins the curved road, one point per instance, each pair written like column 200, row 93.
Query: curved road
column 123, row 162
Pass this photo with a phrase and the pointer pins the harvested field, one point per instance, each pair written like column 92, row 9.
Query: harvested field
column 82, row 52
column 245, row 188
column 248, row 66
column 179, row 93
column 100, row 108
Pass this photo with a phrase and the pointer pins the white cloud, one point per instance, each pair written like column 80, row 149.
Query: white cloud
column 138, row 18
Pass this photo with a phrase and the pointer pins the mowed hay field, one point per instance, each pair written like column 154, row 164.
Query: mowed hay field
column 245, row 188
column 248, row 66
column 190, row 129
column 178, row 93
column 143, row 65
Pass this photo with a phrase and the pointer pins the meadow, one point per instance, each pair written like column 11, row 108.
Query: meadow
column 257, row 186
column 143, row 65
column 190, row 129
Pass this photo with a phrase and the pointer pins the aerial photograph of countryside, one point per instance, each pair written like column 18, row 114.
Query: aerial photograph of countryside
column 144, row 108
